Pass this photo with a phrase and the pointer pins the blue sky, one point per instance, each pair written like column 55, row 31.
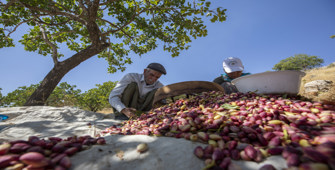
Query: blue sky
column 260, row 32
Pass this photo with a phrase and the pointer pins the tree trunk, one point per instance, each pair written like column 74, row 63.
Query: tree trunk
column 51, row 80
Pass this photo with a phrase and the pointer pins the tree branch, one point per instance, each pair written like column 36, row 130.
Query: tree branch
column 53, row 46
column 58, row 33
column 113, row 25
column 92, row 27
column 37, row 16
column 62, row 6
column 107, row 2
column 124, row 25
column 17, row 26
column 9, row 4
column 55, row 12
column 94, row 8
column 88, row 3
column 82, row 6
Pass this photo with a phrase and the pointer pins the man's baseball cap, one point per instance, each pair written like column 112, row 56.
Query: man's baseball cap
column 232, row 64
column 157, row 67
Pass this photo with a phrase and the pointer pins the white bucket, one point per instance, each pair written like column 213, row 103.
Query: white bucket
column 272, row 82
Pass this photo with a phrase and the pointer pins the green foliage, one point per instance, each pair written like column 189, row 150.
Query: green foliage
column 1, row 98
column 137, row 26
column 97, row 98
column 64, row 95
column 19, row 96
column 331, row 65
column 299, row 62
column 5, row 41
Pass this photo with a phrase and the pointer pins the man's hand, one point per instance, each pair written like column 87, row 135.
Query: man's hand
column 129, row 112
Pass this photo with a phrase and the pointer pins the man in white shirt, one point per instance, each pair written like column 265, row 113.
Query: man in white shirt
column 136, row 91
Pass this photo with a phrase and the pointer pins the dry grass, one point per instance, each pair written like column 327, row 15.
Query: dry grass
column 106, row 111
column 324, row 73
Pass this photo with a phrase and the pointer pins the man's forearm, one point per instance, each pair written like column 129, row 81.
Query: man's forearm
column 116, row 103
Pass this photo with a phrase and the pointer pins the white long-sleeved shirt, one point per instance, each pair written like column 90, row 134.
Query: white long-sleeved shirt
column 115, row 95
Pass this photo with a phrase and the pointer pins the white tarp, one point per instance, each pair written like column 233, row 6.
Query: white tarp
column 119, row 152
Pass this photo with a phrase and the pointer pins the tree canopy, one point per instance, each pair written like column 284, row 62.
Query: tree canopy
column 1, row 97
column 110, row 29
column 299, row 62
column 97, row 98
column 64, row 95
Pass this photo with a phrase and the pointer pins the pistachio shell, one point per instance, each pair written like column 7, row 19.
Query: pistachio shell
column 143, row 147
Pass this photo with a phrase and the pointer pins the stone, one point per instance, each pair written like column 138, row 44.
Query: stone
column 317, row 86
